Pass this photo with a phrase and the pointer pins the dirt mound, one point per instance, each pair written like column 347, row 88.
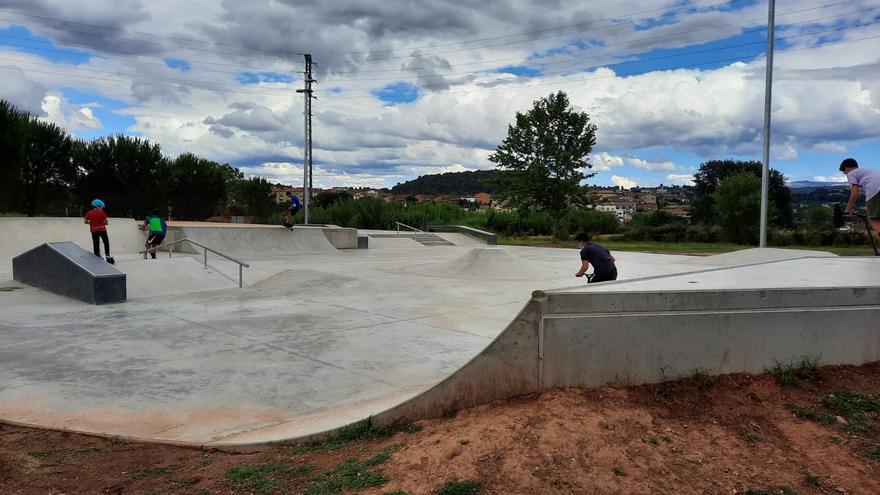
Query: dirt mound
column 736, row 434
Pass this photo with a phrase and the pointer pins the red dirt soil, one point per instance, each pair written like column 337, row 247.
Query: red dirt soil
column 700, row 435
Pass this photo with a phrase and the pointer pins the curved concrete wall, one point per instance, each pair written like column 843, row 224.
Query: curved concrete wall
column 593, row 339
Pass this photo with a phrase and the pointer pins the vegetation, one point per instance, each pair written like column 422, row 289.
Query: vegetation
column 541, row 161
column 450, row 183
column 263, row 478
column 712, row 173
column 456, row 487
column 794, row 372
column 351, row 475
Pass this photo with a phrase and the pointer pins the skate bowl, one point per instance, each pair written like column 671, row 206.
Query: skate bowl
column 315, row 343
column 22, row 234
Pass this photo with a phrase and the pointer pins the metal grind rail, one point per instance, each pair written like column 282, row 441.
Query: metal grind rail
column 241, row 264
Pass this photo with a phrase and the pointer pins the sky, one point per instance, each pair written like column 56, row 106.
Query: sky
column 407, row 88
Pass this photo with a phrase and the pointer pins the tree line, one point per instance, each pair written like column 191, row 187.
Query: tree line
column 46, row 171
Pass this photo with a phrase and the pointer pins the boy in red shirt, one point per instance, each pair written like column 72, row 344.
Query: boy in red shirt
column 97, row 220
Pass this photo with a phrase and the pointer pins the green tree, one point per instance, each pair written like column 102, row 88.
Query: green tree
column 46, row 171
column 327, row 198
column 820, row 217
column 12, row 128
column 255, row 195
column 543, row 158
column 737, row 206
column 712, row 173
column 130, row 174
column 197, row 187
column 837, row 216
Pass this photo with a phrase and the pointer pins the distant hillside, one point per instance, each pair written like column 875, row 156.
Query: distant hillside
column 814, row 184
column 450, row 183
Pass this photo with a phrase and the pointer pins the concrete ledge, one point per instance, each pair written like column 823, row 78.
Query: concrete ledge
column 628, row 338
column 481, row 235
column 66, row 269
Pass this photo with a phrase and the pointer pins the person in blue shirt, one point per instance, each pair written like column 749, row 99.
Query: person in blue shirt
column 294, row 204
column 156, row 230
column 604, row 268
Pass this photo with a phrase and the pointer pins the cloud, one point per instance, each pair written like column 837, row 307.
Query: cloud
column 23, row 92
column 291, row 174
column 830, row 178
column 830, row 147
column 59, row 111
column 680, row 179
column 646, row 165
column 624, row 182
column 603, row 162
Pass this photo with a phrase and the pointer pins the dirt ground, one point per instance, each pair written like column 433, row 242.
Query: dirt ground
column 737, row 434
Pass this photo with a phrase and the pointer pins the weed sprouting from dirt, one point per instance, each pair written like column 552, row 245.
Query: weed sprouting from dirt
column 358, row 432
column 351, row 475
column 812, row 480
column 812, row 415
column 874, row 452
column 456, row 487
column 263, row 478
column 859, row 410
column 790, row 374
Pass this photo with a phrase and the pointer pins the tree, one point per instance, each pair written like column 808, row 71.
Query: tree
column 12, row 127
column 837, row 216
column 255, row 194
column 130, row 174
column 736, row 203
column 197, row 187
column 712, row 173
column 820, row 217
column 328, row 198
column 542, row 158
column 46, row 171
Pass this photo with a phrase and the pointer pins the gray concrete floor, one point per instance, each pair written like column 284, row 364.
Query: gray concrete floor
column 312, row 343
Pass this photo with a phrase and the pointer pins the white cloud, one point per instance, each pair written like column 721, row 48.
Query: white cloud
column 603, row 162
column 830, row 147
column 646, row 165
column 288, row 173
column 83, row 118
column 624, row 182
column 59, row 112
column 681, row 179
column 830, row 178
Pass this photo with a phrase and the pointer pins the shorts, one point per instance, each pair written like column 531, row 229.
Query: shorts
column 604, row 277
column 873, row 206
column 293, row 210
column 155, row 239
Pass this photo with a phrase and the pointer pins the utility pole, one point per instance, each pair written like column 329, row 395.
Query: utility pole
column 307, row 144
column 765, row 167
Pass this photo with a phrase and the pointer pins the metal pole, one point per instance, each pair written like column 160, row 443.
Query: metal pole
column 239, row 276
column 307, row 141
column 206, row 257
column 765, row 167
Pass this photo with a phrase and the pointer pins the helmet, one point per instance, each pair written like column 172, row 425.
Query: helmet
column 97, row 203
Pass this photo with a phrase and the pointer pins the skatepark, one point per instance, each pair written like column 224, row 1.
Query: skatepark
column 323, row 334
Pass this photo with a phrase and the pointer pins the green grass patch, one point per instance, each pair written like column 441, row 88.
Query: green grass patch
column 456, row 487
column 351, row 475
column 874, row 452
column 264, row 478
column 812, row 480
column 40, row 454
column 153, row 472
column 857, row 409
column 814, row 416
column 784, row 490
column 358, row 432
column 795, row 372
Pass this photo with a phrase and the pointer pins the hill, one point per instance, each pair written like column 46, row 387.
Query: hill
column 801, row 184
column 450, row 183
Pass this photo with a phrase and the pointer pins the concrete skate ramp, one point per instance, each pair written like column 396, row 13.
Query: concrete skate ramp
column 496, row 263
column 22, row 233
column 255, row 241
column 626, row 338
column 67, row 269
column 166, row 276
column 759, row 255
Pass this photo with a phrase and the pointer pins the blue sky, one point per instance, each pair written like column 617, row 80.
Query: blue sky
column 668, row 90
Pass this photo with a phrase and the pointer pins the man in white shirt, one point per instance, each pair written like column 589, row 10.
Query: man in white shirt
column 869, row 180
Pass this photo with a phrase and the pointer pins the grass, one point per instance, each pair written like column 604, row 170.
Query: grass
column 351, row 475
column 874, row 452
column 858, row 409
column 812, row 480
column 703, row 248
column 811, row 415
column 784, row 490
column 456, row 487
column 263, row 478
column 358, row 432
column 792, row 373
column 153, row 472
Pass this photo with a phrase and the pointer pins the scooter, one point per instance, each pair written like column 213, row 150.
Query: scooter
column 870, row 231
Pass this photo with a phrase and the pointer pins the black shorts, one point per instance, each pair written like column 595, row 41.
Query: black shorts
column 293, row 210
column 604, row 277
column 155, row 239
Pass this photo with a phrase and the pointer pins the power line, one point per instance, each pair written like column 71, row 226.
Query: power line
column 211, row 85
column 612, row 54
column 675, row 33
column 296, row 52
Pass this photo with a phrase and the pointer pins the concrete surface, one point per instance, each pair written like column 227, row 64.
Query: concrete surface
column 314, row 341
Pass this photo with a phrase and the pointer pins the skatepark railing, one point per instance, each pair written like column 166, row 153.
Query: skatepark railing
column 399, row 225
column 241, row 264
